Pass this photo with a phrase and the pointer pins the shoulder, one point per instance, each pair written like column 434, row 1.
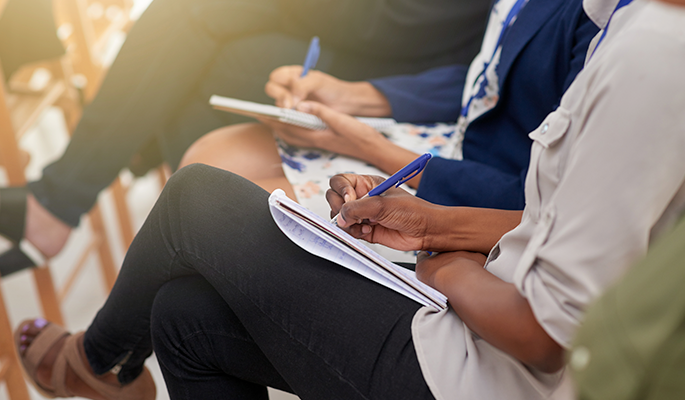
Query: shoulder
column 648, row 48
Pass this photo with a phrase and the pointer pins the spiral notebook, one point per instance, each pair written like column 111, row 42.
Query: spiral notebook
column 286, row 115
column 321, row 238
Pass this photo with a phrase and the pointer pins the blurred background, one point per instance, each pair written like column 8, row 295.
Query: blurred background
column 43, row 101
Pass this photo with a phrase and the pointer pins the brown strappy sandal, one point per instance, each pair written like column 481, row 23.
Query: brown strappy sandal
column 142, row 388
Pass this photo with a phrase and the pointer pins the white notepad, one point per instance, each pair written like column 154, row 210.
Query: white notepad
column 286, row 115
column 321, row 238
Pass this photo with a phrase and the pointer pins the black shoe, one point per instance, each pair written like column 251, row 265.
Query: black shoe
column 21, row 254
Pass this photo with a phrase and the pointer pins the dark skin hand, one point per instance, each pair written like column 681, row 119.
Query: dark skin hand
column 492, row 308
column 400, row 220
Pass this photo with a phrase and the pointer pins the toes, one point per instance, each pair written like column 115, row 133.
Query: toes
column 29, row 331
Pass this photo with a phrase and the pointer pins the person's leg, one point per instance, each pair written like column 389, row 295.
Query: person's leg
column 204, row 347
column 191, row 338
column 164, row 57
column 240, row 70
column 248, row 150
column 242, row 67
column 315, row 321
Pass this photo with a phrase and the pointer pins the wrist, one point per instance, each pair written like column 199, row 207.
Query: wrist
column 363, row 99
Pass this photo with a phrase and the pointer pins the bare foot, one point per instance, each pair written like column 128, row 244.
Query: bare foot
column 74, row 384
column 45, row 231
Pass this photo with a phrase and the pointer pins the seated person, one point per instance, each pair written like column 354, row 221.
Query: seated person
column 506, row 93
column 180, row 51
column 296, row 321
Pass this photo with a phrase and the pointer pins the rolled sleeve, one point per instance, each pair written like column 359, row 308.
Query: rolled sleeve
column 601, row 201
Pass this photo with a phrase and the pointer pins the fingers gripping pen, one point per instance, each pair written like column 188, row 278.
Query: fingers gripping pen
column 403, row 175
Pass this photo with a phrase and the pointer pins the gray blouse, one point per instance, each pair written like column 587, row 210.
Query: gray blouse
column 607, row 174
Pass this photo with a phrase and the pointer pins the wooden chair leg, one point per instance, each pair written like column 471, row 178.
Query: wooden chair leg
column 10, row 369
column 109, row 270
column 49, row 301
column 125, row 226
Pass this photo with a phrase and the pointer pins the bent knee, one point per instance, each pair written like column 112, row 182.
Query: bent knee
column 230, row 147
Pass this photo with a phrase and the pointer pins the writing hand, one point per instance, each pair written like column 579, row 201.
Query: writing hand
column 345, row 135
column 348, row 187
column 405, row 222
column 288, row 88
column 396, row 219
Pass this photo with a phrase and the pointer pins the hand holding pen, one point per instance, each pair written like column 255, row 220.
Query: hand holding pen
column 396, row 219
column 287, row 85
column 398, row 178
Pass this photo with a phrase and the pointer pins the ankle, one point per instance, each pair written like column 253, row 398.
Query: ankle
column 45, row 231
column 107, row 377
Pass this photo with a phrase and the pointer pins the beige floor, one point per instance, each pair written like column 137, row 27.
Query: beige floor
column 46, row 142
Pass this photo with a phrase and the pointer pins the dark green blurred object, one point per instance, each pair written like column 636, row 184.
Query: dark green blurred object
column 27, row 34
column 632, row 343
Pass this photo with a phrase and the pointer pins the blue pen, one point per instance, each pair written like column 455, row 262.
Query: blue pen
column 312, row 56
column 409, row 171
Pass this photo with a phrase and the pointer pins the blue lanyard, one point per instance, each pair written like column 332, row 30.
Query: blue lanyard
column 505, row 28
column 621, row 4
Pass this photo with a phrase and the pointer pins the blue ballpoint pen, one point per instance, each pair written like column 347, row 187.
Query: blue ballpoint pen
column 409, row 171
column 312, row 56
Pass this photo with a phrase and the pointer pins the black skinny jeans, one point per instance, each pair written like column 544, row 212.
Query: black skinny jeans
column 280, row 316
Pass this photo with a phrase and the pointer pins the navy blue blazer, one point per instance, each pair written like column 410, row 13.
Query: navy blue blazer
column 541, row 55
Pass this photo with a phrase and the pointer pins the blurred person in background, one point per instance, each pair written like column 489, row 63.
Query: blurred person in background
column 153, row 101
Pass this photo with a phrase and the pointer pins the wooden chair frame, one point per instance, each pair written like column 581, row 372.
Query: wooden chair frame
column 14, row 122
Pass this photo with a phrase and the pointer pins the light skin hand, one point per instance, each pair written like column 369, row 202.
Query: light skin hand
column 347, row 136
column 405, row 222
column 490, row 307
column 288, row 88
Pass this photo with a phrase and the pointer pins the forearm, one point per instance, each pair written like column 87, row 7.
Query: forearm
column 470, row 229
column 449, row 228
column 363, row 99
column 497, row 312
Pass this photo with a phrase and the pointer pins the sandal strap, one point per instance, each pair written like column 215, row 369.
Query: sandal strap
column 13, row 212
column 142, row 388
column 58, row 381
column 40, row 346
column 73, row 357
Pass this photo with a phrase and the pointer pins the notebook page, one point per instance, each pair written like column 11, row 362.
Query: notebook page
column 325, row 240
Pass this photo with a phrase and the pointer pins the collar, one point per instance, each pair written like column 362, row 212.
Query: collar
column 599, row 11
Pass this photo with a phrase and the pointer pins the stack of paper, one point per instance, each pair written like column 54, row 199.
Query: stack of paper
column 319, row 237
